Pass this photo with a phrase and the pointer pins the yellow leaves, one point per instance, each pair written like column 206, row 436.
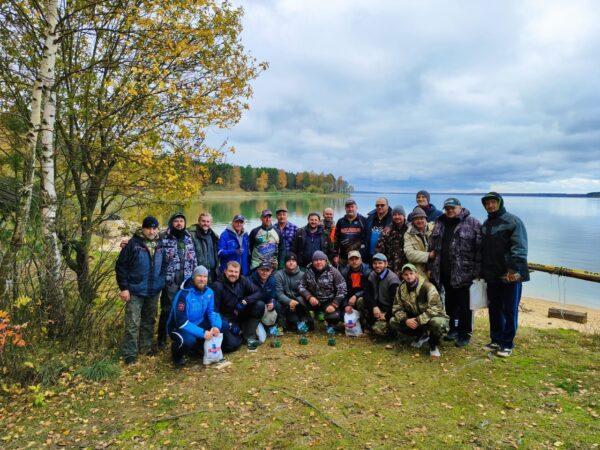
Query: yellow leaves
column 22, row 301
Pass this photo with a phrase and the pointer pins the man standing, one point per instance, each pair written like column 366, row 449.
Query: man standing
column 309, row 239
column 456, row 243
column 266, row 243
column 328, row 222
column 418, row 311
column 286, row 229
column 391, row 242
column 238, row 302
column 356, row 274
column 504, row 268
column 206, row 245
column 350, row 233
column 416, row 241
column 424, row 202
column 292, row 305
column 324, row 289
column 382, row 287
column 378, row 221
column 193, row 318
column 140, row 271
column 233, row 245
column 181, row 258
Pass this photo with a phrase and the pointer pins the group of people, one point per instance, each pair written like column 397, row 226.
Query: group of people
column 404, row 275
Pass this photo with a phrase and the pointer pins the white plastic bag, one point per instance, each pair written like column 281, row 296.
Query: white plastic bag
column 478, row 295
column 269, row 317
column 261, row 333
column 352, row 323
column 212, row 350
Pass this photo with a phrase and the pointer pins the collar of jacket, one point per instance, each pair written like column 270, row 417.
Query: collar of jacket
column 497, row 213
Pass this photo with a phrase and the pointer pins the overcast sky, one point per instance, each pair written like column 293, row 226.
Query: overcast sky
column 403, row 95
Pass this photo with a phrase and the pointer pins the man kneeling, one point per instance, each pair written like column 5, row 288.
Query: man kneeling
column 418, row 311
column 193, row 318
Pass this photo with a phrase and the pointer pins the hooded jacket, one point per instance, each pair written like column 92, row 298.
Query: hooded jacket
column 416, row 247
column 141, row 266
column 465, row 250
column 504, row 246
column 179, row 252
column 432, row 212
column 191, row 307
column 328, row 286
column 423, row 302
column 286, row 285
column 230, row 243
column 306, row 243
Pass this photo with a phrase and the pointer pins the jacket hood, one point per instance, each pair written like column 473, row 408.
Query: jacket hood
column 188, row 284
column 230, row 228
column 493, row 195
column 174, row 216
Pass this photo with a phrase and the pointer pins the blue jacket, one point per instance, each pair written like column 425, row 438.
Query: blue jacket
column 432, row 212
column 267, row 290
column 191, row 307
column 229, row 244
column 140, row 272
column 503, row 246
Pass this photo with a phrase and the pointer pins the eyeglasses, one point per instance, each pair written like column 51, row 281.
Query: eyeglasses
column 381, row 205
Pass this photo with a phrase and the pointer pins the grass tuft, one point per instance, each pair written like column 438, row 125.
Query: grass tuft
column 103, row 369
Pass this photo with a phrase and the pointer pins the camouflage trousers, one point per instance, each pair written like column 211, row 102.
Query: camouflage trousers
column 437, row 327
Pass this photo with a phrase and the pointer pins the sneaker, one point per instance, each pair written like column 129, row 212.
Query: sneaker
column 179, row 362
column 435, row 352
column 253, row 344
column 451, row 336
column 491, row 347
column 504, row 352
column 462, row 341
column 418, row 343
column 130, row 360
column 223, row 363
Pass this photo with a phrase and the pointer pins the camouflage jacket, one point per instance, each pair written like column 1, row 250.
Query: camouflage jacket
column 424, row 303
column 416, row 247
column 391, row 244
column 328, row 287
column 465, row 250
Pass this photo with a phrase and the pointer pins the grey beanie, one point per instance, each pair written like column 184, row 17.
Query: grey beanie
column 417, row 212
column 425, row 193
column 319, row 255
column 200, row 270
column 399, row 209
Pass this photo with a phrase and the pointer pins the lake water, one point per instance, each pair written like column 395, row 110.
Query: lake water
column 561, row 231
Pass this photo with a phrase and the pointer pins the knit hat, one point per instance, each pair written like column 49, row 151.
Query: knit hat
column 319, row 255
column 200, row 270
column 399, row 209
column 409, row 266
column 150, row 222
column 417, row 212
column 290, row 256
column 426, row 194
column 379, row 257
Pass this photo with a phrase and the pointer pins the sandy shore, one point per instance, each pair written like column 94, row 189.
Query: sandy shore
column 534, row 313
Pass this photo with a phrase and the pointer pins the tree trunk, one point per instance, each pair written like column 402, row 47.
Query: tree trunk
column 41, row 85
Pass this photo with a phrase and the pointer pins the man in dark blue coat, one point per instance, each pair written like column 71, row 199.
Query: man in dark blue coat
column 424, row 202
column 140, row 270
column 240, row 305
column 504, row 268
column 193, row 318
column 378, row 221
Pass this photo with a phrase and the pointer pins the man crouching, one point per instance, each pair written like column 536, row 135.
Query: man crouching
column 193, row 318
column 418, row 311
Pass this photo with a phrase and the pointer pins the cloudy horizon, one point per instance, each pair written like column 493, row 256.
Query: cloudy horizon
column 398, row 96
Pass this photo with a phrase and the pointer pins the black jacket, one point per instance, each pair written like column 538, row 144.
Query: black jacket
column 304, row 245
column 228, row 295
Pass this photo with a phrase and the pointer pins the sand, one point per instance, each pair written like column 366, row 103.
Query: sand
column 534, row 313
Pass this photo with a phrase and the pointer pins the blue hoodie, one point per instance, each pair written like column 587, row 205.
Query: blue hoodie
column 229, row 244
column 191, row 307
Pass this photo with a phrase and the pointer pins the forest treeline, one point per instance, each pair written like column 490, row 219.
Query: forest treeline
column 260, row 179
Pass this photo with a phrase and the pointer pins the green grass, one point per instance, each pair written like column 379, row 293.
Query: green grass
column 354, row 395
column 99, row 370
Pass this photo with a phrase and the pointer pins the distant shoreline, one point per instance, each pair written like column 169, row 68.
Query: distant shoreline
column 504, row 194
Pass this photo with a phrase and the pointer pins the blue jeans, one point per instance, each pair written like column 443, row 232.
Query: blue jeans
column 503, row 304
